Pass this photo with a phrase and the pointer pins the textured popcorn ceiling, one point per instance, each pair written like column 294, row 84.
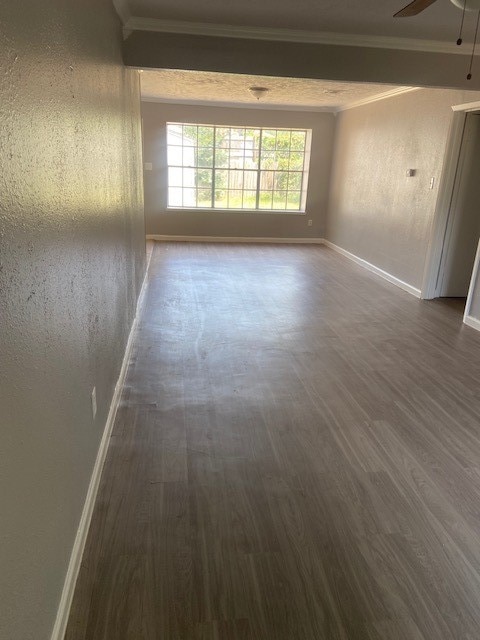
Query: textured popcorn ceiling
column 200, row 86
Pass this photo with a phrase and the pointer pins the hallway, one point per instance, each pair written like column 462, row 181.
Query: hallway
column 296, row 457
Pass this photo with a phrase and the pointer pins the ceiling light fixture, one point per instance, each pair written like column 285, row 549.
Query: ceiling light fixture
column 258, row 92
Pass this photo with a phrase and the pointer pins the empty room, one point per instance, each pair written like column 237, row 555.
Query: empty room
column 240, row 314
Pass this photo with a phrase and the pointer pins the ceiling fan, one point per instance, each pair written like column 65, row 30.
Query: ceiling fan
column 417, row 6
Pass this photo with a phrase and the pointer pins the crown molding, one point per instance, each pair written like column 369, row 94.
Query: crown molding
column 241, row 105
column 379, row 96
column 290, row 35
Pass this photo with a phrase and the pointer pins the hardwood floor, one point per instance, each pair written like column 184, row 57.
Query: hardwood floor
column 296, row 457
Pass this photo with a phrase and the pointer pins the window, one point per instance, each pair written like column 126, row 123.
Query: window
column 217, row 167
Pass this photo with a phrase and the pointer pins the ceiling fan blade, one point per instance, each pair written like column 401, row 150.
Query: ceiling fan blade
column 414, row 8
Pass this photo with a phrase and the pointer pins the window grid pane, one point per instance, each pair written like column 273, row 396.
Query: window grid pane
column 235, row 167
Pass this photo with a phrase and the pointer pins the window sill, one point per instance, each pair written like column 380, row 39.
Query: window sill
column 282, row 212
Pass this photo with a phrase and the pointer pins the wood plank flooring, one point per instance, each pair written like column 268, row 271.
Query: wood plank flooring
column 296, row 457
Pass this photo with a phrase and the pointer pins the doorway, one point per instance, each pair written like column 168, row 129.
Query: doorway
column 457, row 220
column 463, row 227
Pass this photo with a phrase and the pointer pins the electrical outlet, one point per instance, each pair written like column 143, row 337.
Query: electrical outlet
column 94, row 402
column 309, row 223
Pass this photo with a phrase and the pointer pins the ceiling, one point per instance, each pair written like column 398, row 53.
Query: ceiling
column 199, row 86
column 440, row 22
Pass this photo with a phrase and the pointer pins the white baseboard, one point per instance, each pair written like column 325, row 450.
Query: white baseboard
column 228, row 239
column 234, row 239
column 63, row 612
column 371, row 267
column 472, row 322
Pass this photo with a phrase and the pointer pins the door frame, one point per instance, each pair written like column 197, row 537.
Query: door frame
column 441, row 229
column 467, row 318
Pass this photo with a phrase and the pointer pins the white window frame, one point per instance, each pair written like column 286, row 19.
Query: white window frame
column 192, row 167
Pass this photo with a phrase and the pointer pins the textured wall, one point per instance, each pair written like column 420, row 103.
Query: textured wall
column 375, row 211
column 215, row 223
column 71, row 264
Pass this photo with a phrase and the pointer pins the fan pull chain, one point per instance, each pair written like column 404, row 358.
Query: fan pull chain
column 460, row 39
column 469, row 75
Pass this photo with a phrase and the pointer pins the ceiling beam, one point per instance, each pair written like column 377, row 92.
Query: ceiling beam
column 157, row 50
column 293, row 35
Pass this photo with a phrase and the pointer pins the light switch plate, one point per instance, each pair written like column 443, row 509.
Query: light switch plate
column 148, row 166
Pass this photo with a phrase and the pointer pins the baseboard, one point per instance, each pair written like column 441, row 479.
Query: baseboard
column 63, row 612
column 233, row 239
column 472, row 322
column 371, row 267
column 244, row 240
